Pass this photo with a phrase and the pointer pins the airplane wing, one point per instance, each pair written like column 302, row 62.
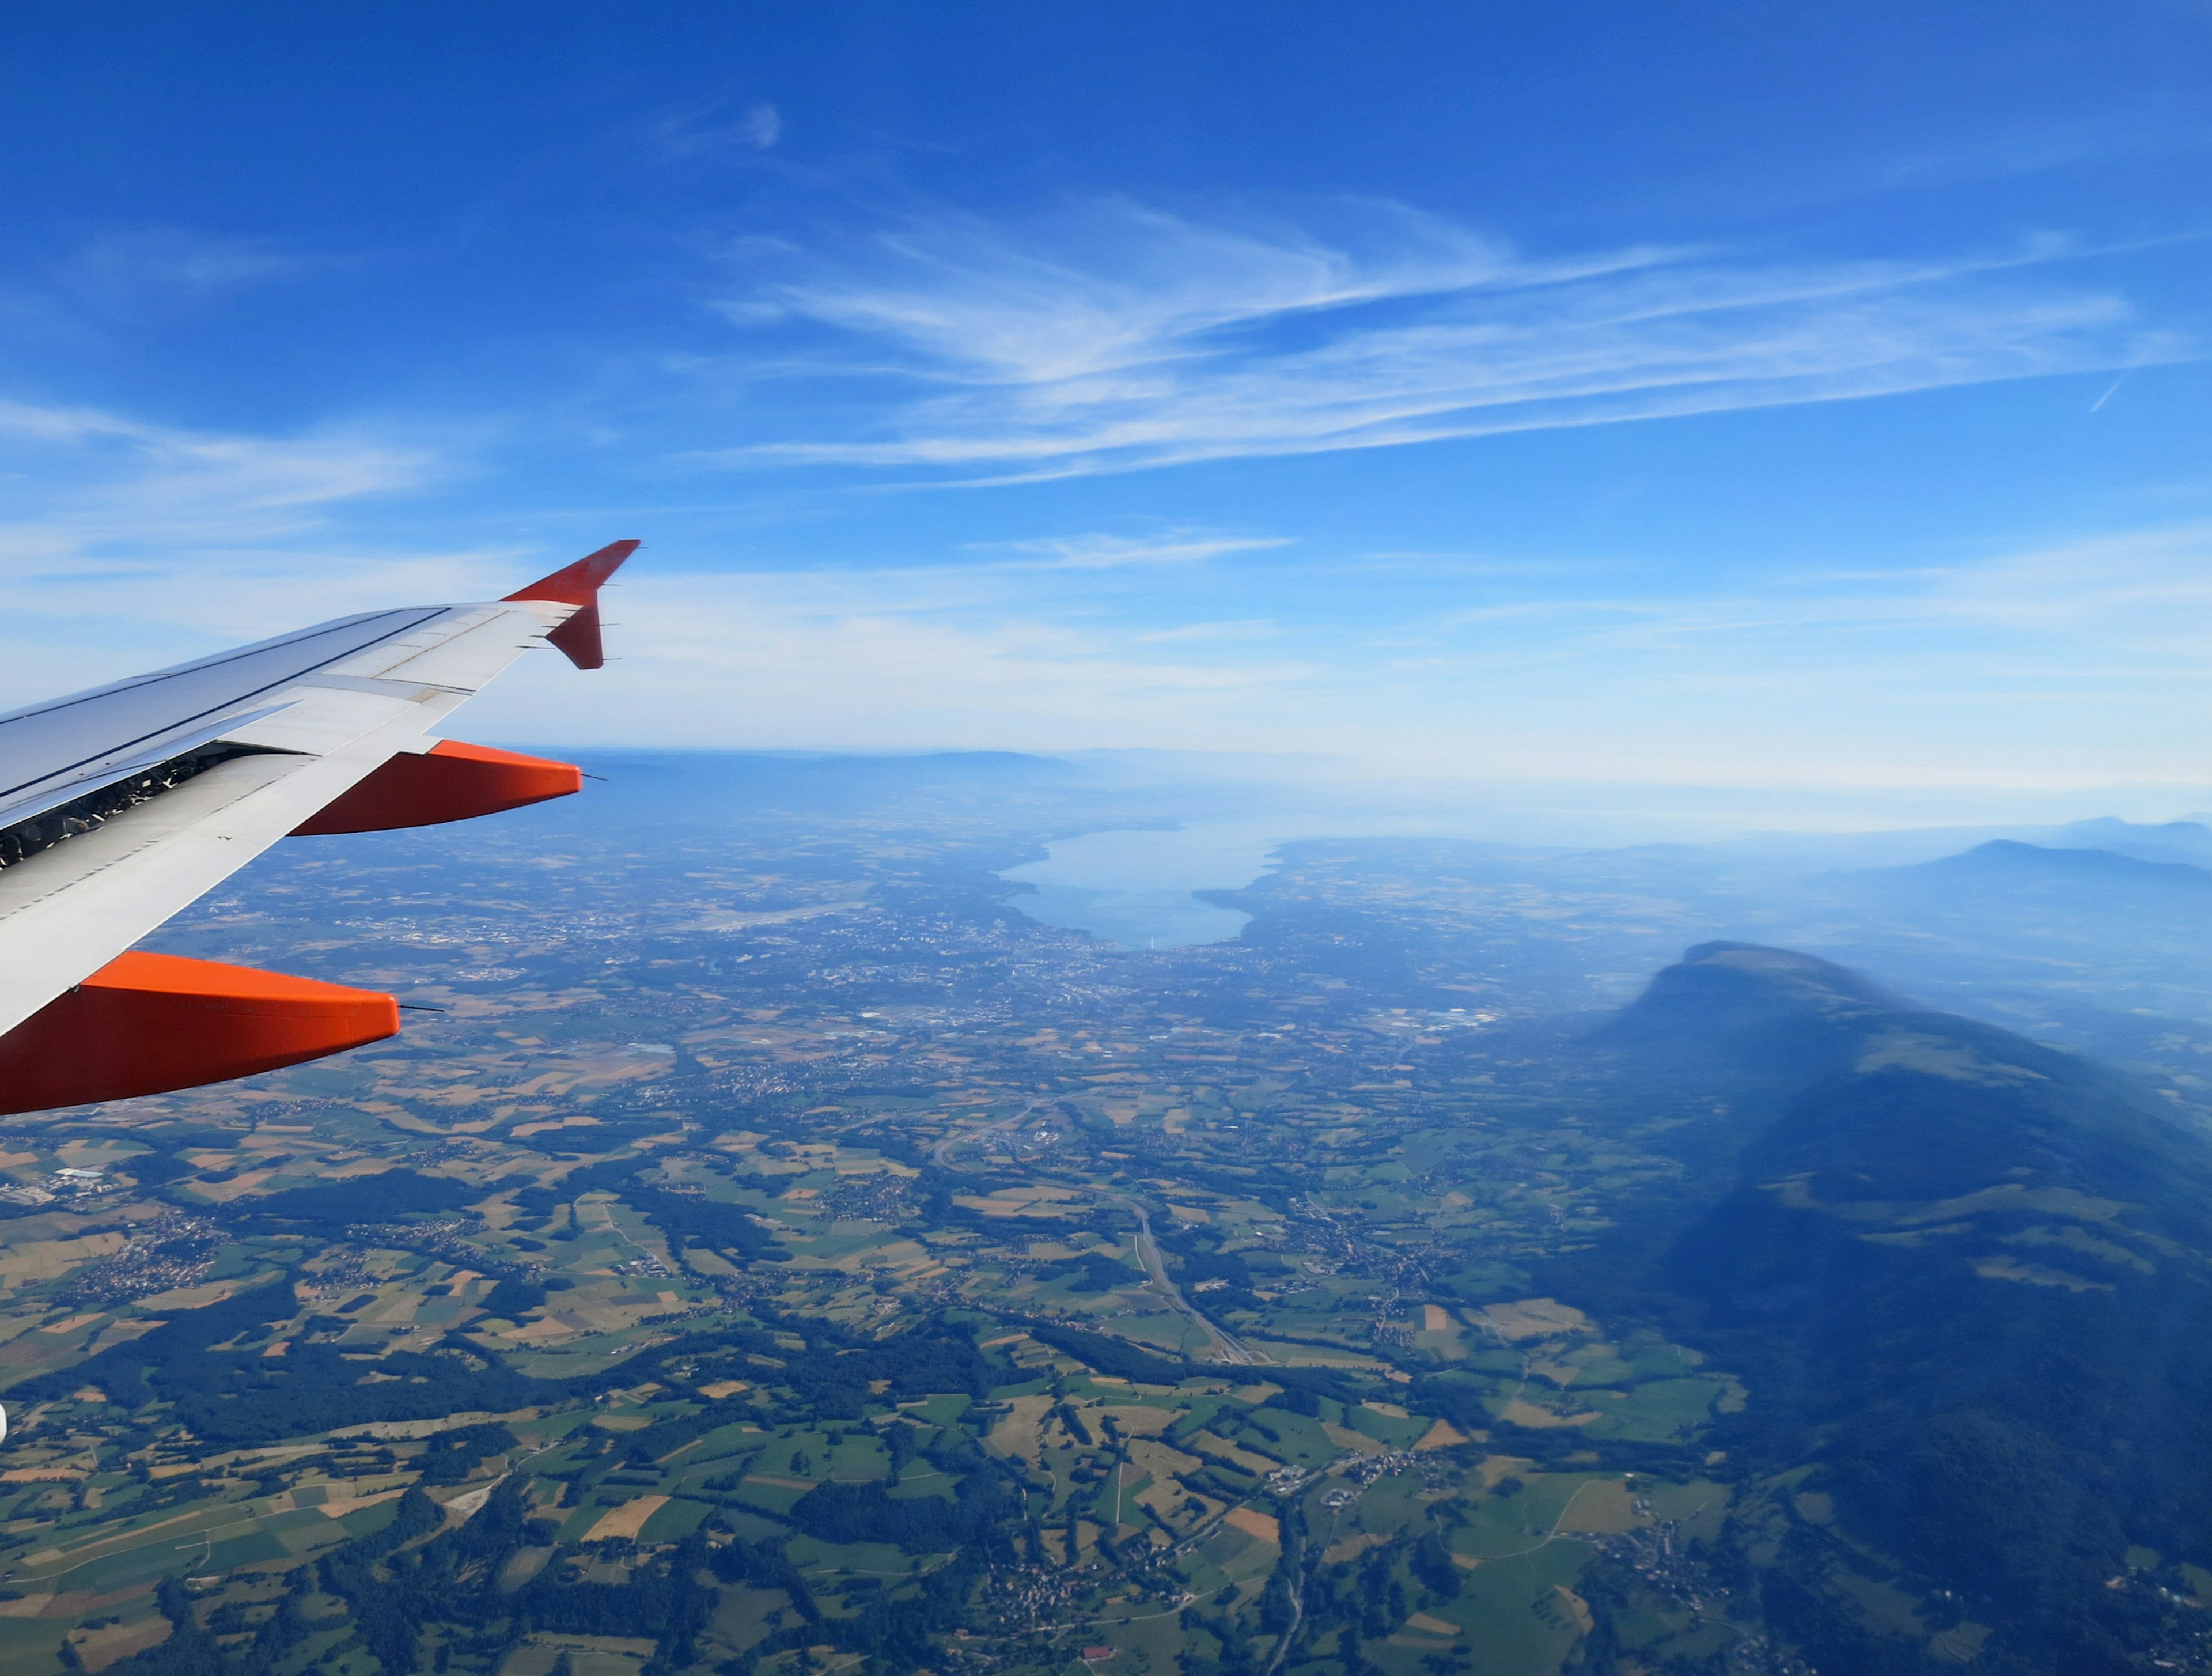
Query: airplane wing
column 121, row 806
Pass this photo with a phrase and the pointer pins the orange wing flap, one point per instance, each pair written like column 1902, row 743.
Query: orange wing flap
column 451, row 781
column 145, row 1024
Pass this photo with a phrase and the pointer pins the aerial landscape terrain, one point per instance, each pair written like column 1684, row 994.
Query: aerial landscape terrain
column 1257, row 839
column 768, row 1250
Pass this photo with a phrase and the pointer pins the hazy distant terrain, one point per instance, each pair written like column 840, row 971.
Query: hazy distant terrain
column 769, row 1250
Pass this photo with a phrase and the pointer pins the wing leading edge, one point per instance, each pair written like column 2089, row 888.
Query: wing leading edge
column 120, row 807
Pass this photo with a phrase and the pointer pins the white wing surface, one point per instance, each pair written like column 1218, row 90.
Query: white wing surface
column 121, row 806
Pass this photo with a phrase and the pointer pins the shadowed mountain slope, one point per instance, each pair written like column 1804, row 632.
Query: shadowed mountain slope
column 1968, row 1280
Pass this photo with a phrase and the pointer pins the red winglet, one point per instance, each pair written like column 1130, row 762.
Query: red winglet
column 578, row 585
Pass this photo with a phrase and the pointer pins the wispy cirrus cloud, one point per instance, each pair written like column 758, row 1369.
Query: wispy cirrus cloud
column 717, row 127
column 96, row 471
column 127, row 544
column 1115, row 337
column 1097, row 551
column 2016, row 663
column 2145, row 130
column 136, row 272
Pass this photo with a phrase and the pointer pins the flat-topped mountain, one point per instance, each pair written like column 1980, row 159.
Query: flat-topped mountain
column 1968, row 1282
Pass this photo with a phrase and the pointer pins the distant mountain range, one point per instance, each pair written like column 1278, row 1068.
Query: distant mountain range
column 2039, row 933
column 2011, row 865
column 2175, row 841
column 1968, row 1280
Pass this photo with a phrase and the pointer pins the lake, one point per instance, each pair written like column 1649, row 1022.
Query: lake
column 1134, row 889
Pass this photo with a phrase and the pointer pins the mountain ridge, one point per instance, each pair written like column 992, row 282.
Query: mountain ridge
column 1968, row 1280
column 2009, row 860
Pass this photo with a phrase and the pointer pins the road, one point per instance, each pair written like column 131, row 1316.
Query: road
column 1226, row 1346
column 1295, row 1558
column 938, row 1154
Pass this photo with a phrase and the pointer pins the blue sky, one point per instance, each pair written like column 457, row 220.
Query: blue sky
column 1700, row 395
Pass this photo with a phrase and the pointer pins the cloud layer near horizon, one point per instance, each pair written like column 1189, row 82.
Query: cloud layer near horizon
column 2072, row 664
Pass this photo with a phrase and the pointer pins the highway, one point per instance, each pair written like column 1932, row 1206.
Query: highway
column 1226, row 1346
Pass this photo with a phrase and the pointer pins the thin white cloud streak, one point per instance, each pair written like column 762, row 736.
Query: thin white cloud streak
column 85, row 460
column 1119, row 286
column 763, row 126
column 702, row 130
column 1248, row 628
column 133, row 544
column 2031, row 150
column 143, row 278
column 2125, row 612
column 878, row 661
column 1113, row 552
column 128, row 270
column 1119, row 337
